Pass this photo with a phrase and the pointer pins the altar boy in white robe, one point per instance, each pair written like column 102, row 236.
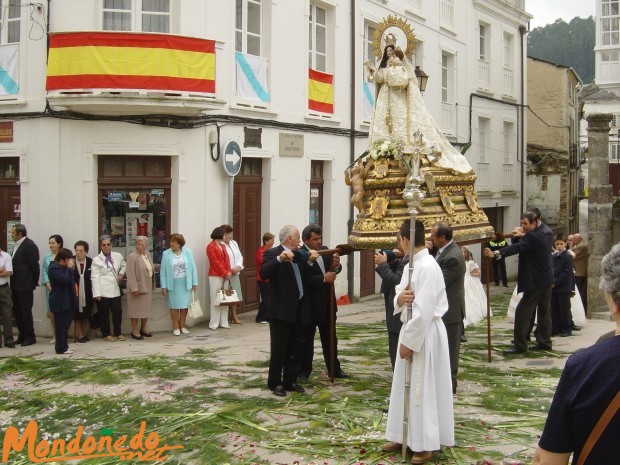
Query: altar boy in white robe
column 423, row 343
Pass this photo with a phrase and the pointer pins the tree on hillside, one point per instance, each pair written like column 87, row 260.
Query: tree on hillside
column 568, row 44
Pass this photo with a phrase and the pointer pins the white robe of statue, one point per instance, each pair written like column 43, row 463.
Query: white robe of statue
column 431, row 414
column 398, row 89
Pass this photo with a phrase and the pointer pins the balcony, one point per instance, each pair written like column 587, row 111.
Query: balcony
column 509, row 83
column 447, row 118
column 482, row 182
column 484, row 73
column 507, row 180
column 120, row 73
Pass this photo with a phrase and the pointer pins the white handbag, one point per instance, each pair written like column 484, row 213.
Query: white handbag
column 226, row 296
column 194, row 309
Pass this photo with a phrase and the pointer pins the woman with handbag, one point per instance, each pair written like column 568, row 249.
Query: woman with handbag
column 219, row 272
column 179, row 279
column 140, row 284
column 236, row 265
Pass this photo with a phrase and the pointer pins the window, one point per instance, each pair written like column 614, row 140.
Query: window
column 317, row 38
column 508, row 142
column 316, row 192
column 508, row 51
column 610, row 64
column 369, row 48
column 483, row 139
column 484, row 41
column 446, row 13
column 609, row 31
column 444, row 77
column 10, row 15
column 614, row 152
column 136, row 15
column 134, row 195
column 610, row 7
column 248, row 26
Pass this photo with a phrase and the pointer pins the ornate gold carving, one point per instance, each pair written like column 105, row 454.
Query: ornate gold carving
column 379, row 204
column 472, row 199
column 446, row 201
column 380, row 169
column 393, row 27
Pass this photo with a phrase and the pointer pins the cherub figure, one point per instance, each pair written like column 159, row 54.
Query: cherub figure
column 355, row 179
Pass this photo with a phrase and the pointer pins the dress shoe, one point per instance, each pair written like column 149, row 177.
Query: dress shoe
column 66, row 352
column 19, row 340
column 279, row 391
column 10, row 345
column 575, row 328
column 294, row 388
column 28, row 342
column 422, row 457
column 110, row 338
column 541, row 347
column 340, row 374
column 513, row 351
column 391, row 447
column 463, row 338
column 142, row 333
column 566, row 334
column 120, row 337
column 137, row 338
column 82, row 340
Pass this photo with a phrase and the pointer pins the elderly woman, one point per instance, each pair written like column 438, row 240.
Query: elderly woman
column 236, row 265
column 55, row 244
column 588, row 389
column 63, row 300
column 179, row 279
column 107, row 272
column 82, row 276
column 140, row 284
column 263, row 284
column 219, row 271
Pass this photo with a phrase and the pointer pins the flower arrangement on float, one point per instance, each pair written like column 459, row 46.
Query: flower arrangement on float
column 385, row 149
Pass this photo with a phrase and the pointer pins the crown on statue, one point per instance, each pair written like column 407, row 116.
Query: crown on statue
column 390, row 39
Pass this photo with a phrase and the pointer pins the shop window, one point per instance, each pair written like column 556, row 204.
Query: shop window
column 135, row 201
column 316, row 192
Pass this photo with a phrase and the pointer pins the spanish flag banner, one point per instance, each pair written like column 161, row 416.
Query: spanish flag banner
column 320, row 91
column 120, row 60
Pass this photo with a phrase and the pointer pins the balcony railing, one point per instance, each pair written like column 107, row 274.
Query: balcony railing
column 484, row 73
column 507, row 182
column 447, row 118
column 482, row 182
column 446, row 13
column 509, row 83
column 124, row 73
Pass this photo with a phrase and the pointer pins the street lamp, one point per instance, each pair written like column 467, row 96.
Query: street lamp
column 422, row 78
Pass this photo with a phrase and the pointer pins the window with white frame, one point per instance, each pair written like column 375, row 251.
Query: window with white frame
column 610, row 64
column 446, row 13
column 445, row 78
column 610, row 33
column 136, row 15
column 509, row 145
column 369, row 48
column 317, row 38
column 484, row 135
column 508, row 51
column 10, row 15
column 248, row 26
column 614, row 152
column 484, row 32
column 610, row 8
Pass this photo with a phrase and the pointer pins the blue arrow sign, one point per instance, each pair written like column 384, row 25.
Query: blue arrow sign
column 232, row 158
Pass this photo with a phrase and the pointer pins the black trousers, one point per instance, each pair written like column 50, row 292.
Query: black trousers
column 524, row 313
column 454, row 331
column 561, row 320
column 283, row 363
column 62, row 322
column 22, row 307
column 306, row 351
column 105, row 306
column 393, row 347
column 263, row 288
column 6, row 304
column 499, row 269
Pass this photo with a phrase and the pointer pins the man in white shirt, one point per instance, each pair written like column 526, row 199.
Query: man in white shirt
column 6, row 301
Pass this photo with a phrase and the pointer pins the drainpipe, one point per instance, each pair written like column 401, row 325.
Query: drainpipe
column 350, row 258
column 523, row 31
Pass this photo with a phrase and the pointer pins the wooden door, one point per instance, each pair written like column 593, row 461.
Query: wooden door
column 367, row 272
column 9, row 211
column 247, row 231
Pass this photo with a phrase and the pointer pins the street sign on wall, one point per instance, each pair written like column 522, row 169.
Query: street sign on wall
column 232, row 158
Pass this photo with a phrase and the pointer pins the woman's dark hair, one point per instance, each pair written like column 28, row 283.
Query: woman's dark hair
column 58, row 239
column 384, row 59
column 227, row 228
column 83, row 244
column 218, row 233
column 178, row 238
column 63, row 254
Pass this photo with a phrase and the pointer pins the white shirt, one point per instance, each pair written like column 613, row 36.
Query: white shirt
column 17, row 244
column 7, row 264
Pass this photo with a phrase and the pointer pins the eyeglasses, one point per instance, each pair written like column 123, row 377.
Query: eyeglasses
column 106, row 245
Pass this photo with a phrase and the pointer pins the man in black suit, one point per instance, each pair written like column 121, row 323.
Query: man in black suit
column 24, row 281
column 324, row 271
column 452, row 263
column 288, row 272
column 534, row 280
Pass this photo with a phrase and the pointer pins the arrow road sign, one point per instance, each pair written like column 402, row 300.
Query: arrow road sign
column 232, row 158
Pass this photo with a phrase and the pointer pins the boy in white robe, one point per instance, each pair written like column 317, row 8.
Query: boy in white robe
column 424, row 345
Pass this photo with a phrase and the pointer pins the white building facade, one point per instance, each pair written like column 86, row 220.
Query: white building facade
column 115, row 129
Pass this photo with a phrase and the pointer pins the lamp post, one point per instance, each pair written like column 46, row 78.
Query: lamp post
column 422, row 78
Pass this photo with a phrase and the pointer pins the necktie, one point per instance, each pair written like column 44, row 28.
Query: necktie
column 300, row 286
column 321, row 264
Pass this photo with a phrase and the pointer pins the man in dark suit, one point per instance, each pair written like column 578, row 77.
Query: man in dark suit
column 390, row 267
column 452, row 263
column 324, row 271
column 24, row 281
column 288, row 271
column 534, row 280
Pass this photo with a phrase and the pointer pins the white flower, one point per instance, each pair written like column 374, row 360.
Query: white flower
column 374, row 154
column 384, row 146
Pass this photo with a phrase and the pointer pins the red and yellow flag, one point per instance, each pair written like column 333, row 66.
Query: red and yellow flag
column 121, row 60
column 320, row 91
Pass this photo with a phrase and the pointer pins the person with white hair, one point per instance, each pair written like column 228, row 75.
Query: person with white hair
column 140, row 284
column 583, row 417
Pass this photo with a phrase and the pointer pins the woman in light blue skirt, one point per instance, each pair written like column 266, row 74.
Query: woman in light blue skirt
column 179, row 279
